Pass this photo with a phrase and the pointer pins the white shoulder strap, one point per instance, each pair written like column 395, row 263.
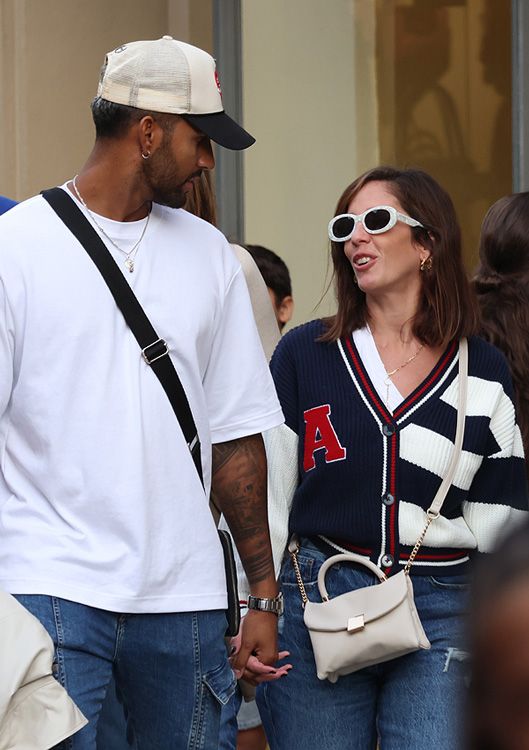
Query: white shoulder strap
column 439, row 498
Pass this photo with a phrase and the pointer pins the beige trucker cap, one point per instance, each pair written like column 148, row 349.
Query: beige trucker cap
column 165, row 75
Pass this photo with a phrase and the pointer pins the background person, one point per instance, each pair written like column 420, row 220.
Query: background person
column 6, row 204
column 105, row 530
column 499, row 690
column 370, row 401
column 502, row 287
column 276, row 275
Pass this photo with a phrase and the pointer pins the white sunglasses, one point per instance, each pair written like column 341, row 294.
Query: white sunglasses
column 375, row 220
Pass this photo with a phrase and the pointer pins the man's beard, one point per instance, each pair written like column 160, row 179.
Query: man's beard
column 162, row 175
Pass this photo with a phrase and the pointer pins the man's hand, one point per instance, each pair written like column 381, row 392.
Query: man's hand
column 247, row 660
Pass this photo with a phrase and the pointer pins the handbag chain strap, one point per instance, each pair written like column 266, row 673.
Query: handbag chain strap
column 434, row 511
column 293, row 548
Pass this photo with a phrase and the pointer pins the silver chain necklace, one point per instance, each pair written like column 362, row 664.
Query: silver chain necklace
column 129, row 256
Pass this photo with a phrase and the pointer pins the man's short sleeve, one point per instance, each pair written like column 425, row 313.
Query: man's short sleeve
column 239, row 390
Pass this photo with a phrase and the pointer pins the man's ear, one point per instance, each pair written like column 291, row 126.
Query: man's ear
column 150, row 135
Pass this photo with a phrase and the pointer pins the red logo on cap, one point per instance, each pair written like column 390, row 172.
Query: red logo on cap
column 217, row 81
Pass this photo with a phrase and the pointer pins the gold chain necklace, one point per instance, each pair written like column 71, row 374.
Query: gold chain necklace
column 389, row 375
column 130, row 256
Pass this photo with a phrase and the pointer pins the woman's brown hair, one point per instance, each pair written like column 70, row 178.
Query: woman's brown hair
column 502, row 285
column 447, row 309
column 201, row 200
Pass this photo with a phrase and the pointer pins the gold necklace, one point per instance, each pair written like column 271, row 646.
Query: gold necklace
column 389, row 375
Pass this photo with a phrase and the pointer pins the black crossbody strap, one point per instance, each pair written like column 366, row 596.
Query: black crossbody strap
column 154, row 350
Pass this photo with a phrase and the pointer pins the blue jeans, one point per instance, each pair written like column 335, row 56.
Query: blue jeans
column 112, row 724
column 237, row 715
column 228, row 722
column 407, row 703
column 171, row 670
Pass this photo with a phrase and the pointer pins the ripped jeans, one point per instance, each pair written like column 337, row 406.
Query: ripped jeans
column 409, row 703
column 171, row 670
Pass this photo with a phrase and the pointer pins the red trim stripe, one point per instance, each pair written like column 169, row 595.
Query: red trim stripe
column 352, row 547
column 416, row 395
column 365, row 382
column 451, row 556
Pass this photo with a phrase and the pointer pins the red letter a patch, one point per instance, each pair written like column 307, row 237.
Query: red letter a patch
column 320, row 434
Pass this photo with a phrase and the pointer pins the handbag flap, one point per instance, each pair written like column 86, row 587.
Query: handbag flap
column 371, row 602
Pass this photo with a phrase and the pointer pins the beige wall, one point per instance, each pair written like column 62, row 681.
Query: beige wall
column 51, row 54
column 315, row 123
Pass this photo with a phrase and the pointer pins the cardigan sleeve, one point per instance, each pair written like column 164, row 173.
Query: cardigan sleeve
column 498, row 495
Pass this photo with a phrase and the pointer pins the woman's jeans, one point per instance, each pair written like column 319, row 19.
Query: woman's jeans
column 171, row 671
column 409, row 703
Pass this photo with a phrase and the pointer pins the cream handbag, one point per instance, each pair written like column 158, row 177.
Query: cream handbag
column 380, row 622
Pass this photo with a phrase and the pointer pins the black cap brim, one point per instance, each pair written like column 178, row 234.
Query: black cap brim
column 222, row 129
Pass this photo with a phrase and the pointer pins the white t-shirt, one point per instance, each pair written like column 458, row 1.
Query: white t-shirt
column 100, row 501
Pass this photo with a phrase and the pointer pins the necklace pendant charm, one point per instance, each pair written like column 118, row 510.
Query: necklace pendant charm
column 129, row 264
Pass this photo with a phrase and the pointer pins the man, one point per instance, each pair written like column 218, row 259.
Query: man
column 105, row 529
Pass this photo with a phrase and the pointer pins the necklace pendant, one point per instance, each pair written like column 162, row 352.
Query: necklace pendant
column 129, row 265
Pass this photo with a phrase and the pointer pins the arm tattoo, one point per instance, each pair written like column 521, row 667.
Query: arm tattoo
column 239, row 491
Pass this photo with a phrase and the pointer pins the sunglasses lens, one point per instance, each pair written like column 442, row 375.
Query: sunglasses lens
column 377, row 219
column 343, row 226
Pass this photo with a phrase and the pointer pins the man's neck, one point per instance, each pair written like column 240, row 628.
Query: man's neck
column 108, row 188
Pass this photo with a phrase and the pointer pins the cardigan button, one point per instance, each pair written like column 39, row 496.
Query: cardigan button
column 388, row 499
column 388, row 429
column 387, row 561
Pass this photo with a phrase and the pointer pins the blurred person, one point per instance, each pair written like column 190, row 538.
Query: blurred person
column 276, row 275
column 370, row 400
column 498, row 718
column 502, row 287
column 6, row 204
column 105, row 530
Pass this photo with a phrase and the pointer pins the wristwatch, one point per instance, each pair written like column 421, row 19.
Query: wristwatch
column 274, row 605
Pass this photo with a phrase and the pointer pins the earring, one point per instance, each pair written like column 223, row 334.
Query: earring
column 145, row 156
column 426, row 264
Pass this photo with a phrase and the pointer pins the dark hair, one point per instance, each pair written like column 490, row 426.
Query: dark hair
column 273, row 269
column 447, row 308
column 113, row 120
column 502, row 286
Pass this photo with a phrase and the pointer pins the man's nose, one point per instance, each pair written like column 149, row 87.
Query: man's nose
column 206, row 160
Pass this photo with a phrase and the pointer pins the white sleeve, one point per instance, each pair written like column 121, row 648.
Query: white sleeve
column 6, row 350
column 239, row 389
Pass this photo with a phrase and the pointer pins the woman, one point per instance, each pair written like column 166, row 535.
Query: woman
column 502, row 286
column 370, row 398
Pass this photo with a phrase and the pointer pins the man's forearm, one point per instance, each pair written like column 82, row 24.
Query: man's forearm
column 239, row 491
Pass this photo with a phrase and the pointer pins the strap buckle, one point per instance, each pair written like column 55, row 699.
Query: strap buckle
column 155, row 351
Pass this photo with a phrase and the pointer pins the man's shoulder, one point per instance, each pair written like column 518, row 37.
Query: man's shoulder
column 21, row 216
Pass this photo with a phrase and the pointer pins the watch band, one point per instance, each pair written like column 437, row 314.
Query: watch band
column 263, row 604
